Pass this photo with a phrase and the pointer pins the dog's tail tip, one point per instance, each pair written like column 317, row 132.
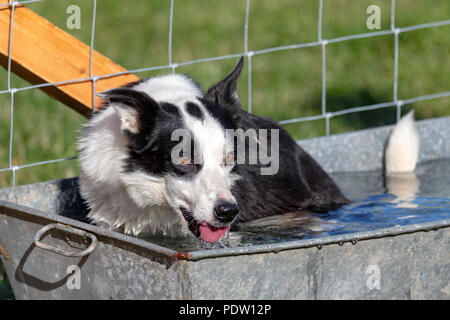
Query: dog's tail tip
column 409, row 117
column 402, row 152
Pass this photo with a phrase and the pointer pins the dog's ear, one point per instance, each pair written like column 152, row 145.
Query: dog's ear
column 131, row 106
column 224, row 93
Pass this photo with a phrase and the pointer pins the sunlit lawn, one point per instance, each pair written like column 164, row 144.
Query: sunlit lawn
column 285, row 84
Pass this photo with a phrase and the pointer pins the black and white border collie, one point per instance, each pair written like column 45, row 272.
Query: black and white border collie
column 132, row 179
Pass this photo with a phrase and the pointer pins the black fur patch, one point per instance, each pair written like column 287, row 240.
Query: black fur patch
column 194, row 110
column 219, row 113
column 170, row 108
column 299, row 184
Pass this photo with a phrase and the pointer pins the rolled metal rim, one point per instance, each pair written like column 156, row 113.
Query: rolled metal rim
column 353, row 238
column 319, row 242
column 68, row 229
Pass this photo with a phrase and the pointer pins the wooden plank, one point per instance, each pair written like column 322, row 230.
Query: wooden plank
column 43, row 53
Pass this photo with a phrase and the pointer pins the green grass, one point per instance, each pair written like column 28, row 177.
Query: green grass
column 285, row 84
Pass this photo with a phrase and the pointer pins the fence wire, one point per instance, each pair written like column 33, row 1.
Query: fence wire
column 323, row 43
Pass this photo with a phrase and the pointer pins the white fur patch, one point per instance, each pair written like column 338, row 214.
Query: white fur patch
column 174, row 88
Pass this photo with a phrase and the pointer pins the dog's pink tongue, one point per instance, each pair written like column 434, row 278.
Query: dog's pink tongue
column 210, row 233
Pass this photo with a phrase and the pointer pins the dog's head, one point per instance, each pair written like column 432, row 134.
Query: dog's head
column 179, row 141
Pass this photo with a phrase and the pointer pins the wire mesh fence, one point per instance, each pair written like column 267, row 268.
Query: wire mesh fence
column 324, row 115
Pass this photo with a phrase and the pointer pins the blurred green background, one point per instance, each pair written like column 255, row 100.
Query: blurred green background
column 285, row 84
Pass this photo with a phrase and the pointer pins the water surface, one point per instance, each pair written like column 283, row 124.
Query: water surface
column 377, row 202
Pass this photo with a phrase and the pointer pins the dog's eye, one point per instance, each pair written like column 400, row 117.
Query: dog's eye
column 229, row 158
column 184, row 160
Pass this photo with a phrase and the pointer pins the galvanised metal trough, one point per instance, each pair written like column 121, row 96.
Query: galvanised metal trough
column 50, row 253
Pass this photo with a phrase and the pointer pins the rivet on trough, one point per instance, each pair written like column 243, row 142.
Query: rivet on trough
column 181, row 255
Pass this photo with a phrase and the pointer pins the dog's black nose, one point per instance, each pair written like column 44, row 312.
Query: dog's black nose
column 226, row 211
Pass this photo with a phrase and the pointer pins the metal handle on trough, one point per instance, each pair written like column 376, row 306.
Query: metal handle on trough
column 68, row 229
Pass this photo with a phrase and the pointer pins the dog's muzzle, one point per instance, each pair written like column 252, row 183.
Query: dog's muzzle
column 225, row 212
